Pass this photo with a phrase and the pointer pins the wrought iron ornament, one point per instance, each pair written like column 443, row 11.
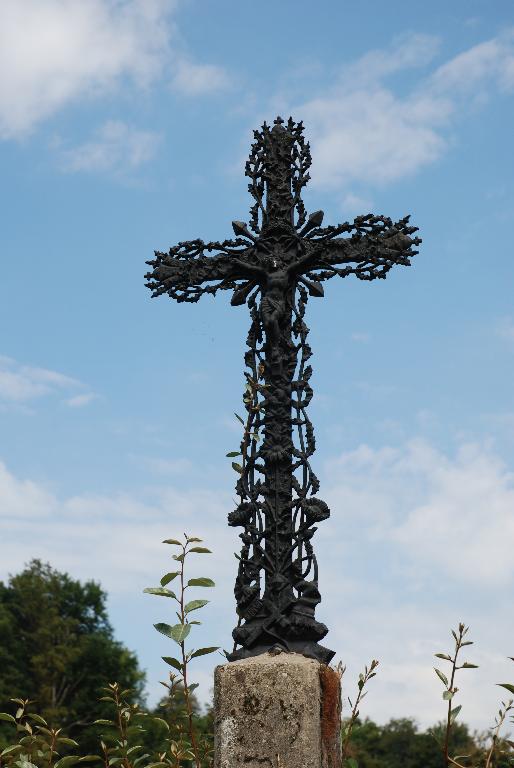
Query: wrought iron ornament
column 274, row 265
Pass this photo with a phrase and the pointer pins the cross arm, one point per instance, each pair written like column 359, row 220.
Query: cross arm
column 371, row 247
column 188, row 271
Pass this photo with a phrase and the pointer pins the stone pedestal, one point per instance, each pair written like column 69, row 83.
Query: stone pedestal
column 277, row 711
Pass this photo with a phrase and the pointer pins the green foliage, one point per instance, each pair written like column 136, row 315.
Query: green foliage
column 37, row 744
column 400, row 743
column 129, row 736
column 348, row 725
column 189, row 742
column 57, row 647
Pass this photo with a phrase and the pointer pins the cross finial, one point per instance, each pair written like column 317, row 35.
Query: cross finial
column 278, row 169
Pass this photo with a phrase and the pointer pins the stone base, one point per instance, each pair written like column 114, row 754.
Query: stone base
column 277, row 711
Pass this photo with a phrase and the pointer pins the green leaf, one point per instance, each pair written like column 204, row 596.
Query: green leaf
column 24, row 762
column 164, row 629
column 11, row 749
column 448, row 695
column 103, row 722
column 133, row 749
column 237, row 467
column 65, row 761
column 189, row 539
column 177, row 632
column 161, row 721
column 27, row 741
column 37, row 719
column 65, row 740
column 202, row 582
column 204, row 651
column 141, row 758
column 192, row 687
column 169, row 577
column 90, row 759
column 7, row 718
column 173, row 662
column 443, row 656
column 351, row 762
column 507, row 686
column 179, row 558
column 172, row 541
column 201, row 550
column 239, row 419
column 454, row 712
column 160, row 591
column 469, row 666
column 194, row 605
column 441, row 676
column 233, row 454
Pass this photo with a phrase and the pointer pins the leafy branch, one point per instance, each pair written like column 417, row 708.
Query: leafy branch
column 253, row 406
column 364, row 678
column 38, row 744
column 451, row 690
column 180, row 631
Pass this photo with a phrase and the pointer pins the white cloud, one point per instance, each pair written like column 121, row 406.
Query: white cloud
column 407, row 51
column 117, row 148
column 449, row 513
column 198, row 79
column 19, row 497
column 52, row 53
column 364, row 131
column 36, row 522
column 373, row 137
column 79, row 401
column 490, row 62
column 354, row 203
column 20, row 383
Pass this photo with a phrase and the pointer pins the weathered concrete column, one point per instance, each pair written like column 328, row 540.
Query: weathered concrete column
column 277, row 711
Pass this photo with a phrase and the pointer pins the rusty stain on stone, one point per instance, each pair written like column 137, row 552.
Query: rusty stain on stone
column 330, row 717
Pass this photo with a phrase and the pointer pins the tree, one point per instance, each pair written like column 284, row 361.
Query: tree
column 400, row 743
column 57, row 647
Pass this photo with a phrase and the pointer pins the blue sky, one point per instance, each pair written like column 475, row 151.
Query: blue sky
column 124, row 127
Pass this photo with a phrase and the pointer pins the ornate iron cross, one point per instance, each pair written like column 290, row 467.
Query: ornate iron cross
column 274, row 265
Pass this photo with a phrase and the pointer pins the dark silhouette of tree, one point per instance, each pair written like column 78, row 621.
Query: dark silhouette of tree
column 57, row 647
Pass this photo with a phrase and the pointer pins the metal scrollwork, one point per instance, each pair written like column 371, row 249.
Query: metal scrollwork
column 274, row 266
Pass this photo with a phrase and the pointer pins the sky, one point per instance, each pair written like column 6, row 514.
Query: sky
column 124, row 128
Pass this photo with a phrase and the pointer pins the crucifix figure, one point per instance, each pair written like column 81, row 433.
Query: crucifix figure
column 273, row 265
